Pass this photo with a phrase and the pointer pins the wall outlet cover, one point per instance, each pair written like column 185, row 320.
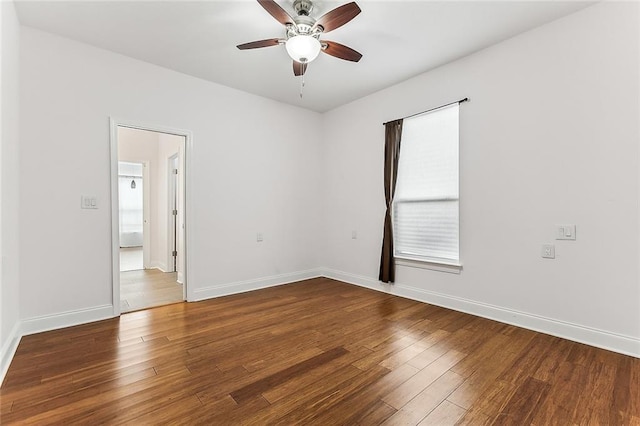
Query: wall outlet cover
column 548, row 251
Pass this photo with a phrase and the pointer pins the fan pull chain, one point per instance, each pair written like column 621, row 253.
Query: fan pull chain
column 304, row 69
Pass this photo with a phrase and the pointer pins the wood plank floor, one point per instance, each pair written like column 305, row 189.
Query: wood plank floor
column 148, row 288
column 315, row 352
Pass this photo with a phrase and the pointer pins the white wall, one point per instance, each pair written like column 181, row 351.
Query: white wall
column 9, row 183
column 550, row 137
column 251, row 170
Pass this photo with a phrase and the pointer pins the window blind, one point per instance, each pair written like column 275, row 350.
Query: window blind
column 426, row 202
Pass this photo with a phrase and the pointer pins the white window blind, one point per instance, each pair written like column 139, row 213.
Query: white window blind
column 425, row 213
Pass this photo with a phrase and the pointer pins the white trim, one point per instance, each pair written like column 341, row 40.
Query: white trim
column 66, row 319
column 256, row 284
column 159, row 266
column 180, row 278
column 115, row 220
column 434, row 265
column 188, row 221
column 146, row 215
column 9, row 350
column 591, row 336
column 172, row 221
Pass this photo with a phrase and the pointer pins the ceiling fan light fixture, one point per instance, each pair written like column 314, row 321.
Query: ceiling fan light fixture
column 303, row 48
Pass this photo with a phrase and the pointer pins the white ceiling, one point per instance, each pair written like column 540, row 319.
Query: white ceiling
column 399, row 39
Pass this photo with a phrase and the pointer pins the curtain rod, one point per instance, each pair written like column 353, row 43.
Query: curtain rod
column 429, row 110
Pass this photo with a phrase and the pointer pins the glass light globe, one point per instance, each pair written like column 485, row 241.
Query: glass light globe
column 303, row 48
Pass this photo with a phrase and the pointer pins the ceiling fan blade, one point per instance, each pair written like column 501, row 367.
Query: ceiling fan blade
column 340, row 51
column 276, row 11
column 338, row 17
column 259, row 43
column 299, row 68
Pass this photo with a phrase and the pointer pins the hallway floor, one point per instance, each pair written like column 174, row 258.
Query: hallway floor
column 130, row 259
column 147, row 288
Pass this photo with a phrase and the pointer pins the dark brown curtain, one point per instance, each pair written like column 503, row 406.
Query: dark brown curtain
column 393, row 134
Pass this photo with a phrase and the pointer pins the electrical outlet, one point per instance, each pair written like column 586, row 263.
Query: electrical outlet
column 548, row 251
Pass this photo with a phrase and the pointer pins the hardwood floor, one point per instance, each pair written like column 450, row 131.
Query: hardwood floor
column 316, row 352
column 147, row 288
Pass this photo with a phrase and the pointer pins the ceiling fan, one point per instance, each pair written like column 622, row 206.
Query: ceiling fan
column 302, row 33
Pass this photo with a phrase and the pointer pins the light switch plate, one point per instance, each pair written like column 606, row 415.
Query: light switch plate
column 548, row 251
column 565, row 232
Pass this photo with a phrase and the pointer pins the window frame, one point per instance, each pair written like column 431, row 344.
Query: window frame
column 428, row 262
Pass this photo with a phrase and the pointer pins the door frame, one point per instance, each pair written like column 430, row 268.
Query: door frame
column 114, row 123
column 146, row 216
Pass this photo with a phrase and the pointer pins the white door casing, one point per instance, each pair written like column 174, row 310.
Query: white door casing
column 186, row 216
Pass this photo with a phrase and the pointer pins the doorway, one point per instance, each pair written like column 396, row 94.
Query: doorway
column 148, row 216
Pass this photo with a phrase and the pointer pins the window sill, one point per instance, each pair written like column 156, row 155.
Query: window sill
column 451, row 267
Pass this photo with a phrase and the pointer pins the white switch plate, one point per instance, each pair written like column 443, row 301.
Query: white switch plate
column 565, row 232
column 354, row 235
column 548, row 251
column 259, row 237
column 88, row 202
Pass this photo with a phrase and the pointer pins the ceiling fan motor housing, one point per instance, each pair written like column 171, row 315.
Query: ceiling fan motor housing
column 304, row 25
column 302, row 7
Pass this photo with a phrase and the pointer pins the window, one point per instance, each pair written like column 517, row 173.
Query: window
column 425, row 206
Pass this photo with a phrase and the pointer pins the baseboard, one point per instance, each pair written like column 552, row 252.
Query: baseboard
column 159, row 265
column 9, row 349
column 256, row 284
column 602, row 339
column 65, row 319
